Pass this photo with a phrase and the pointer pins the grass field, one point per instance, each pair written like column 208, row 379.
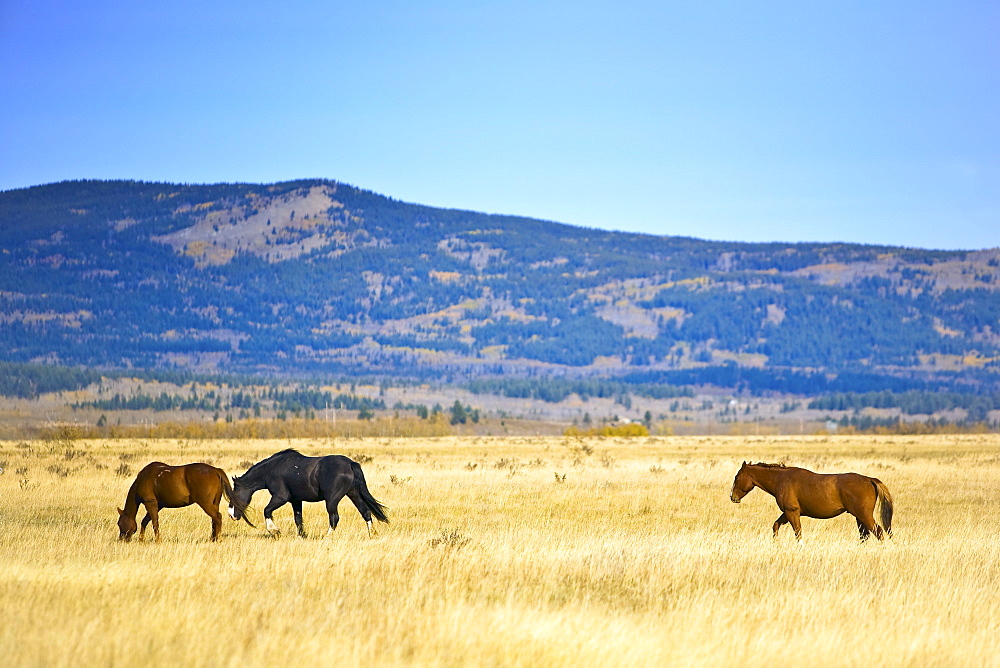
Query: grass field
column 517, row 551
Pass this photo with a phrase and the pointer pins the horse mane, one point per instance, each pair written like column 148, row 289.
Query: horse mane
column 270, row 460
column 778, row 465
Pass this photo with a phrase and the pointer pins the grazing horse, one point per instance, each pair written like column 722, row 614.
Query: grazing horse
column 799, row 492
column 292, row 477
column 160, row 485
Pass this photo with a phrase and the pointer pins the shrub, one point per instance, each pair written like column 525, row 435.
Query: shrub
column 451, row 540
column 631, row 430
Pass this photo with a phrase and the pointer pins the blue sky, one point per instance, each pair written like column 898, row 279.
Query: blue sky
column 769, row 121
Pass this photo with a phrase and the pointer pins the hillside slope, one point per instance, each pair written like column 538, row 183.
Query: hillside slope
column 311, row 277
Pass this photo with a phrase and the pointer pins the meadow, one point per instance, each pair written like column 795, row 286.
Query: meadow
column 550, row 551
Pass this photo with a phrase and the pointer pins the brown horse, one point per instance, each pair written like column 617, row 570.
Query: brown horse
column 799, row 492
column 160, row 485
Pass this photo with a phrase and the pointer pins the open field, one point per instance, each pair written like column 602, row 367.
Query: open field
column 636, row 557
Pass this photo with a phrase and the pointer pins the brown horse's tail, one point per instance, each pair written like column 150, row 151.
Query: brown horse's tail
column 883, row 506
column 227, row 489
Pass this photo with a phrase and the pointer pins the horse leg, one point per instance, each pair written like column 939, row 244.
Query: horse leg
column 867, row 525
column 297, row 512
column 333, row 494
column 213, row 512
column 795, row 520
column 153, row 515
column 362, row 507
column 863, row 510
column 331, row 508
column 778, row 524
column 863, row 530
column 272, row 505
column 216, row 524
column 142, row 527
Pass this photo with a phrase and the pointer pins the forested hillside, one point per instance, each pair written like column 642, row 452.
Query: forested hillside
column 315, row 277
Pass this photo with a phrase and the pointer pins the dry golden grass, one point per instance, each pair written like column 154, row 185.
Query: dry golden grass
column 636, row 557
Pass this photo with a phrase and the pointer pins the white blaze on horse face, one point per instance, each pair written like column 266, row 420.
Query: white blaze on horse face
column 232, row 512
column 271, row 526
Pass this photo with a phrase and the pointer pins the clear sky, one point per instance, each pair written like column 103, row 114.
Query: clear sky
column 763, row 121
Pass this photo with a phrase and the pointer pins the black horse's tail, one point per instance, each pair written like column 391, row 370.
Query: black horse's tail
column 227, row 490
column 883, row 506
column 376, row 508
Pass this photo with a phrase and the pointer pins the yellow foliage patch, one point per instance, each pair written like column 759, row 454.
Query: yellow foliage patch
column 197, row 248
column 445, row 276
column 976, row 361
column 631, row 430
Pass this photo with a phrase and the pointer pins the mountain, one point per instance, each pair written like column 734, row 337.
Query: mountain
column 316, row 277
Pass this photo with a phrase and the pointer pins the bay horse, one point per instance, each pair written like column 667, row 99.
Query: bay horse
column 160, row 485
column 292, row 477
column 802, row 493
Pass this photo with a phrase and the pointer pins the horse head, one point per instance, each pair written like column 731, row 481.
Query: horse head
column 240, row 500
column 742, row 484
column 126, row 526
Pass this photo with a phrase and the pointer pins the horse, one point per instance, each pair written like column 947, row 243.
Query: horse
column 160, row 485
column 800, row 492
column 292, row 477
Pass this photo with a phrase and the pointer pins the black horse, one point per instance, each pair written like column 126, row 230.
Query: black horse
column 291, row 477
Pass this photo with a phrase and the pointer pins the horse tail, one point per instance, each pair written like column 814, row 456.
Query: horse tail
column 376, row 508
column 227, row 489
column 883, row 506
